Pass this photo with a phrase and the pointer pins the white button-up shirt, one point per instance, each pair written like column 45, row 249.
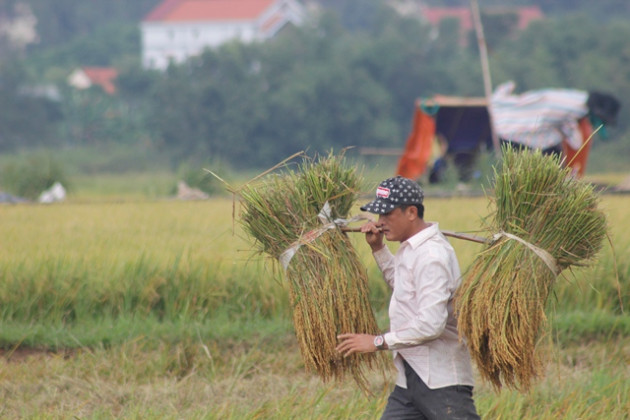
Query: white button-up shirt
column 424, row 275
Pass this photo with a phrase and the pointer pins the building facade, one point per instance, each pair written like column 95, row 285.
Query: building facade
column 179, row 29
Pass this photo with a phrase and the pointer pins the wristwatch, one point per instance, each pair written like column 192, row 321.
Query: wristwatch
column 379, row 342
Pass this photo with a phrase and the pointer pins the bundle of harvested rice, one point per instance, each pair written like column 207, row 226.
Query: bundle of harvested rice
column 544, row 222
column 292, row 217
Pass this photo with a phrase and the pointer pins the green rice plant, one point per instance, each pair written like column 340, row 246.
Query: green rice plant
column 545, row 221
column 77, row 263
column 604, row 286
column 327, row 283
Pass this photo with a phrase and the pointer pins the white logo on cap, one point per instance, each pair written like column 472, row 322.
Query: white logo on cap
column 382, row 192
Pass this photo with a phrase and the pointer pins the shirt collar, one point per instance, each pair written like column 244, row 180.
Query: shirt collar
column 422, row 236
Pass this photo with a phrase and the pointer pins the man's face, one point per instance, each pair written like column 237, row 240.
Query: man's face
column 397, row 224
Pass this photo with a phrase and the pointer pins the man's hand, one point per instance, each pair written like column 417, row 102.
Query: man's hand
column 356, row 343
column 373, row 236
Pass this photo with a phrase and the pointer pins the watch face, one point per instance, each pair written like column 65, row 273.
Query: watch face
column 379, row 340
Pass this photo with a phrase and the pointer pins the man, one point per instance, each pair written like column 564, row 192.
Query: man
column 435, row 379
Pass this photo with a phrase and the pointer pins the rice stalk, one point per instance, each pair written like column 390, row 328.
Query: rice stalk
column 502, row 299
column 327, row 283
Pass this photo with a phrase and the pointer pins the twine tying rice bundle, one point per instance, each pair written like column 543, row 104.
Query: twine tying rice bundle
column 327, row 283
column 546, row 221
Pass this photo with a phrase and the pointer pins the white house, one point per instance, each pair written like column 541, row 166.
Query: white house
column 178, row 29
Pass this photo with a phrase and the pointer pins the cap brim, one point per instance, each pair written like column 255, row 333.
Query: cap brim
column 379, row 206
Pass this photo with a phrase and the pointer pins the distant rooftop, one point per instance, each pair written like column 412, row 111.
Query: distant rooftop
column 526, row 15
column 207, row 10
column 86, row 77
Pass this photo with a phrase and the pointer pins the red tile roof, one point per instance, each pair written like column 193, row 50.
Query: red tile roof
column 102, row 76
column 434, row 15
column 525, row 15
column 207, row 10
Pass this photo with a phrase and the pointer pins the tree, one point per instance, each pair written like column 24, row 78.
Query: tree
column 28, row 118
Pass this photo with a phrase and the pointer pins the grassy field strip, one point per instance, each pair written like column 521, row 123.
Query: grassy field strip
column 250, row 380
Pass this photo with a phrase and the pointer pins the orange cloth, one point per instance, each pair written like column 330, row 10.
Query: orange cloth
column 576, row 159
column 413, row 162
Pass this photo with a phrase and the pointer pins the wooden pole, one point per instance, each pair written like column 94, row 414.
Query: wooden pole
column 485, row 69
column 465, row 236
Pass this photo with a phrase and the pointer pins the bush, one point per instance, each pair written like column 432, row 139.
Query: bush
column 195, row 176
column 30, row 175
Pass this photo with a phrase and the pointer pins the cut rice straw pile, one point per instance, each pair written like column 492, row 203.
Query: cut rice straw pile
column 327, row 283
column 544, row 221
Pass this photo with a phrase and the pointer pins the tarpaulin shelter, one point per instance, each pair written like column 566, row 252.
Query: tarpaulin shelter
column 462, row 123
column 558, row 120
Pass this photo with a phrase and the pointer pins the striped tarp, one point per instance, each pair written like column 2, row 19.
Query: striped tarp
column 538, row 119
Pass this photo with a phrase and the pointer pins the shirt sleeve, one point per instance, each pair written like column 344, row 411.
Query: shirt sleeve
column 431, row 295
column 385, row 261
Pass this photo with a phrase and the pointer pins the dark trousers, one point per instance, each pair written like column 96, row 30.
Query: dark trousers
column 420, row 402
column 553, row 150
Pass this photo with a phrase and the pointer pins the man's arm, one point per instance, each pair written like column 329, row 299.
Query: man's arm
column 358, row 343
column 373, row 236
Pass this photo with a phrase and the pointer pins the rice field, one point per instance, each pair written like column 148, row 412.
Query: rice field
column 161, row 309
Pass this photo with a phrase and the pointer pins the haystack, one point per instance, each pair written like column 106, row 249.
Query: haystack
column 295, row 218
column 544, row 222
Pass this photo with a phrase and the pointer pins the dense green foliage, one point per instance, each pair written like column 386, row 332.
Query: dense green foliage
column 27, row 176
column 347, row 78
